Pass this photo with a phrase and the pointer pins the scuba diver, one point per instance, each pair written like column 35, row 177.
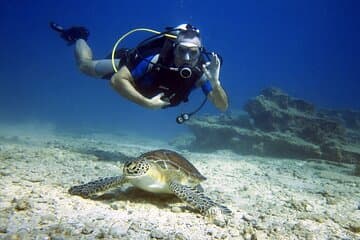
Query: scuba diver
column 159, row 72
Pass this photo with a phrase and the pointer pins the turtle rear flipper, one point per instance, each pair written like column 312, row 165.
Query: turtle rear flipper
column 197, row 199
column 90, row 188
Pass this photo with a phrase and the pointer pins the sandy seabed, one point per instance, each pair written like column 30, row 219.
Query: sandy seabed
column 270, row 198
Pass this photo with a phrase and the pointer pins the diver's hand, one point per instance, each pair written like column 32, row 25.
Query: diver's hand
column 212, row 69
column 156, row 102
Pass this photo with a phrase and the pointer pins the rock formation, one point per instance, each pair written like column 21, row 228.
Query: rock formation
column 279, row 125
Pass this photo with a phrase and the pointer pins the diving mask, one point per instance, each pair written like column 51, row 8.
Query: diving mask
column 187, row 52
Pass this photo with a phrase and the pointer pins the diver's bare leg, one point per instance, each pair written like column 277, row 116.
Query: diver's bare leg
column 86, row 64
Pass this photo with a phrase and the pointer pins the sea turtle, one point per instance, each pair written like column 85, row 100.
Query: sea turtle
column 159, row 171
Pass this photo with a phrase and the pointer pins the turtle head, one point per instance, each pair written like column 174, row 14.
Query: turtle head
column 136, row 168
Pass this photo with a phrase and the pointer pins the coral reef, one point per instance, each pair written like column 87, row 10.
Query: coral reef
column 279, row 125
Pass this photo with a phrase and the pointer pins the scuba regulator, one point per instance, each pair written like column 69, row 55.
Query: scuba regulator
column 185, row 71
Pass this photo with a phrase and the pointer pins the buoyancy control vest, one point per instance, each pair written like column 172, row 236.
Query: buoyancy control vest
column 165, row 76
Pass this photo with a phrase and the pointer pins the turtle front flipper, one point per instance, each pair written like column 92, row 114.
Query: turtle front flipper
column 197, row 199
column 90, row 188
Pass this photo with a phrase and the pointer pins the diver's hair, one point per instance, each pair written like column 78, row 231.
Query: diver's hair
column 188, row 34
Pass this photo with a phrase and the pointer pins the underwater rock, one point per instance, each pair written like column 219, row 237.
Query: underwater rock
column 3, row 226
column 354, row 226
column 274, row 110
column 348, row 118
column 178, row 236
column 21, row 204
column 278, row 125
column 157, row 234
column 215, row 136
column 357, row 173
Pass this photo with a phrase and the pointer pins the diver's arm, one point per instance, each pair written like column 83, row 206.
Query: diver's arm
column 123, row 83
column 218, row 97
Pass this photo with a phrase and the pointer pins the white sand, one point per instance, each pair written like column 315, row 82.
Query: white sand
column 270, row 198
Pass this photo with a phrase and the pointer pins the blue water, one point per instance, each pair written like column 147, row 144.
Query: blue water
column 310, row 49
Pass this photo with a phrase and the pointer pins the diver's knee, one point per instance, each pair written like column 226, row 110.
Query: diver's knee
column 87, row 67
column 82, row 50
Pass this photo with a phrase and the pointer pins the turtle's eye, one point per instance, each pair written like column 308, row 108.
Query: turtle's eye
column 131, row 167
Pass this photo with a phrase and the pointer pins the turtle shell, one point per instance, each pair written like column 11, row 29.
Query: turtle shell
column 168, row 159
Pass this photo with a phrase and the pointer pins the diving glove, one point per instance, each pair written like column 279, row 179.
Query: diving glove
column 72, row 34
